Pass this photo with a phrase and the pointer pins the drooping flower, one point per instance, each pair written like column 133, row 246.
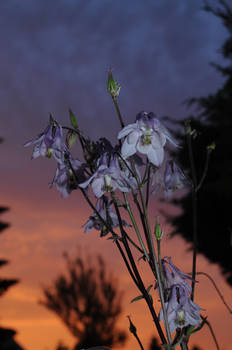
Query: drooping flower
column 109, row 177
column 175, row 276
column 174, row 178
column 106, row 212
column 48, row 142
column 147, row 136
column 65, row 179
column 169, row 178
column 181, row 310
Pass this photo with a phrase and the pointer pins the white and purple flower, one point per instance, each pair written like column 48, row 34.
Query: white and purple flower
column 49, row 141
column 174, row 178
column 147, row 136
column 106, row 212
column 181, row 310
column 65, row 180
column 109, row 177
column 170, row 178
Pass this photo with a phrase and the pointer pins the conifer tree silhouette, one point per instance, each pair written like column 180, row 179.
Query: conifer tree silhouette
column 5, row 283
column 88, row 302
column 213, row 123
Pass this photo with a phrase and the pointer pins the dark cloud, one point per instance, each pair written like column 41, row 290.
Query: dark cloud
column 55, row 54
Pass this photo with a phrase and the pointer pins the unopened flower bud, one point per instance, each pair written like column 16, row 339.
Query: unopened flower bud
column 158, row 231
column 112, row 86
column 132, row 327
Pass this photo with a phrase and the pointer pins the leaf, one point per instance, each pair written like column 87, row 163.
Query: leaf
column 72, row 119
column 137, row 298
column 192, row 329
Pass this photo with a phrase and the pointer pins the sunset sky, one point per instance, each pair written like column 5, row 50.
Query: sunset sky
column 54, row 55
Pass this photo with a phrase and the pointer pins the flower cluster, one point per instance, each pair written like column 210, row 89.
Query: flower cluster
column 181, row 310
column 69, row 172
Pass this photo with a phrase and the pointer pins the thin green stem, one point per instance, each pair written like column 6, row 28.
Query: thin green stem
column 148, row 185
column 153, row 256
column 136, row 272
column 118, row 111
column 135, row 226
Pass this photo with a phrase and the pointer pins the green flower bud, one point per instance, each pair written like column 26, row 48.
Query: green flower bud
column 112, row 86
column 158, row 231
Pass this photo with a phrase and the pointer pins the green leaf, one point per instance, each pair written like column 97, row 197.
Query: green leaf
column 137, row 298
column 73, row 119
column 192, row 329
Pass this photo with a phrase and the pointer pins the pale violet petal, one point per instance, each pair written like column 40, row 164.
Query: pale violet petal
column 156, row 156
column 127, row 130
column 158, row 140
column 98, row 186
column 127, row 149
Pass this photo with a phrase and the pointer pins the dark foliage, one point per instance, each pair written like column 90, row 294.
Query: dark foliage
column 5, row 283
column 213, row 123
column 88, row 302
column 154, row 345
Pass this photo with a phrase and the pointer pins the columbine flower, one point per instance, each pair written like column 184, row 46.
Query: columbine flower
column 106, row 212
column 47, row 142
column 65, row 180
column 175, row 276
column 169, row 178
column 147, row 136
column 181, row 310
column 109, row 178
column 174, row 178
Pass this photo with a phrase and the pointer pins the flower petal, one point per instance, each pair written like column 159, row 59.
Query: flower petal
column 127, row 130
column 128, row 149
column 156, row 156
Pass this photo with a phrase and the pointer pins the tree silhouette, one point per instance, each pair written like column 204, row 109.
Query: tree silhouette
column 154, row 345
column 6, row 335
column 88, row 302
column 5, row 284
column 213, row 123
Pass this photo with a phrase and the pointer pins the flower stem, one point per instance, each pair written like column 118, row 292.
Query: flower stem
column 194, row 203
column 153, row 257
column 118, row 111
column 137, row 275
column 135, row 226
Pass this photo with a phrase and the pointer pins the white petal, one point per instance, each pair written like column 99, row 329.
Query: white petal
column 127, row 149
column 158, row 140
column 98, row 185
column 156, row 156
column 127, row 130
